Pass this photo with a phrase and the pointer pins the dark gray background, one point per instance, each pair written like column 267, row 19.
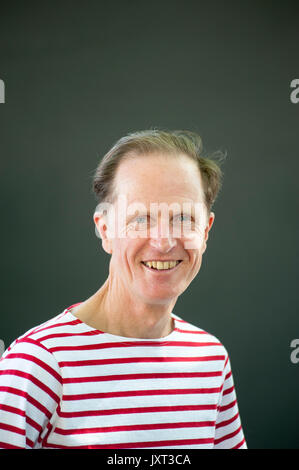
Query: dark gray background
column 78, row 76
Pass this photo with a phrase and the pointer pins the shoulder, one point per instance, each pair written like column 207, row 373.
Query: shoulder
column 195, row 333
column 30, row 372
column 30, row 378
column 32, row 356
column 65, row 323
column 34, row 346
column 34, row 335
column 45, row 341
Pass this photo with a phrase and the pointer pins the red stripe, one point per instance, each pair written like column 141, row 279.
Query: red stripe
column 227, row 407
column 41, row 327
column 5, row 445
column 135, row 427
column 64, row 335
column 32, row 379
column 85, row 333
column 37, row 361
column 180, row 320
column 132, row 393
column 228, row 390
column 9, row 427
column 167, row 375
column 229, row 374
column 136, row 445
column 148, row 409
column 26, row 339
column 130, row 360
column 34, row 424
column 240, row 444
column 130, row 344
column 29, row 443
column 27, row 397
column 12, row 409
column 44, row 441
column 71, row 306
column 228, row 436
column 57, row 325
column 227, row 421
column 191, row 331
column 17, row 411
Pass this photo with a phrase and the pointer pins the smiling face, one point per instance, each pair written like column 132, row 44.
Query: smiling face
column 143, row 235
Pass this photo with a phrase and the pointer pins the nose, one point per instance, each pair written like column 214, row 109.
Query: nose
column 161, row 238
column 162, row 244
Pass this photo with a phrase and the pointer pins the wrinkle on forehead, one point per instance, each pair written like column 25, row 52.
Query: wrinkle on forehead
column 159, row 178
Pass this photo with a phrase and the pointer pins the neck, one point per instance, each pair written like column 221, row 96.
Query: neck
column 124, row 316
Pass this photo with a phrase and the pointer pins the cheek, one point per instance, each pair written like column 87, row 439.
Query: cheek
column 196, row 265
column 194, row 241
column 197, row 259
column 127, row 253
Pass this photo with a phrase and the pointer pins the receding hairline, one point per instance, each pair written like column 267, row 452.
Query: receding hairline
column 177, row 144
column 131, row 155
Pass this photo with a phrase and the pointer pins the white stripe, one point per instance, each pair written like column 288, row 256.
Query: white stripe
column 40, row 347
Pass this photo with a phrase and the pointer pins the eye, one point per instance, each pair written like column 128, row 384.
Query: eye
column 183, row 217
column 141, row 219
column 139, row 222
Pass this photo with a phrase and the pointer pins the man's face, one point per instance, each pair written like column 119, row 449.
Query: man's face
column 148, row 234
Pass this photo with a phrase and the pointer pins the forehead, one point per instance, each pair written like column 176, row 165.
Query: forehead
column 159, row 178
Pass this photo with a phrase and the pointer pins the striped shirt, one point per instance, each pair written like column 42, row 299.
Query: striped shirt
column 64, row 384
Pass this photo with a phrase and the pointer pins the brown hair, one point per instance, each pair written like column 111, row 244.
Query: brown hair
column 150, row 141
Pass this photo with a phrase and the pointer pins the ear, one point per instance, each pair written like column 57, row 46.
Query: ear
column 211, row 218
column 101, row 224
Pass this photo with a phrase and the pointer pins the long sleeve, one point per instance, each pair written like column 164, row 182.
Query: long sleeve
column 229, row 432
column 30, row 389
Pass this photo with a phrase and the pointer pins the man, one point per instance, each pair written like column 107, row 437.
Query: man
column 121, row 370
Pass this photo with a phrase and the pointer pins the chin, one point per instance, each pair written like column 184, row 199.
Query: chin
column 160, row 297
column 159, row 301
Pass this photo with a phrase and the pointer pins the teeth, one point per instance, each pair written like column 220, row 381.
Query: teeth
column 161, row 264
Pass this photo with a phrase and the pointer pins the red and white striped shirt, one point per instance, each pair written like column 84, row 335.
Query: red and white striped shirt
column 65, row 384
